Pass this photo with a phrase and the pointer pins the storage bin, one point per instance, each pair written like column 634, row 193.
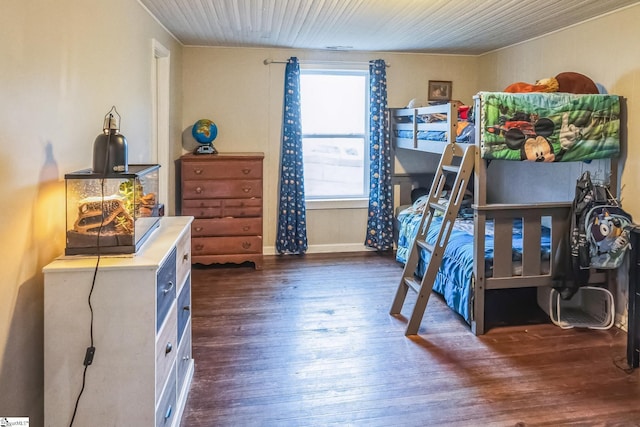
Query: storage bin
column 591, row 307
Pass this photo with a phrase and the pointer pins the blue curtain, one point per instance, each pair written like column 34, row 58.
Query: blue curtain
column 292, row 222
column 380, row 221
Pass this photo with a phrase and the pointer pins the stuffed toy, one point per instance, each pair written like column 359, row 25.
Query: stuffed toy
column 544, row 85
column 568, row 82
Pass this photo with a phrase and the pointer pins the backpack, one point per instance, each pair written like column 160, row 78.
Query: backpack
column 607, row 230
column 598, row 237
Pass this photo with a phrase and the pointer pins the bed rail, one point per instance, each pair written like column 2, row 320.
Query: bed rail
column 427, row 129
column 533, row 217
column 532, row 270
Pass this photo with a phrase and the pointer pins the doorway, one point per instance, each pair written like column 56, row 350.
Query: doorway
column 160, row 90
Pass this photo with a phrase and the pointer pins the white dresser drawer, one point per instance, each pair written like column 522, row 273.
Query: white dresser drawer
column 166, row 349
column 183, row 258
column 184, row 360
column 166, row 410
column 184, row 307
column 165, row 288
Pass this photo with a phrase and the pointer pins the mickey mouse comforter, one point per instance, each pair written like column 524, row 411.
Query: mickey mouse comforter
column 549, row 127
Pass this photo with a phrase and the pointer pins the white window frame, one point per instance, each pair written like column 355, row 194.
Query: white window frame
column 346, row 202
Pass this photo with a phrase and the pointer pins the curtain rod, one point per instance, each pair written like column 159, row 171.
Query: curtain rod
column 275, row 61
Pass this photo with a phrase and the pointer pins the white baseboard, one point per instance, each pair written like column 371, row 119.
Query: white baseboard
column 323, row 249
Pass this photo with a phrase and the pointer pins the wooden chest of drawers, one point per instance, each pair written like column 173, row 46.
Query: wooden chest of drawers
column 224, row 194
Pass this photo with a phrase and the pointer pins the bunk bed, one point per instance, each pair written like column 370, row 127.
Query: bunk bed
column 505, row 245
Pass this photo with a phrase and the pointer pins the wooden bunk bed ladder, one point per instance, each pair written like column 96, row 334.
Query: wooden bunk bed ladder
column 457, row 160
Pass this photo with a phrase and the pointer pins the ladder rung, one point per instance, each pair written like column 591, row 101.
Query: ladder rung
column 412, row 283
column 425, row 245
column 450, row 168
column 438, row 206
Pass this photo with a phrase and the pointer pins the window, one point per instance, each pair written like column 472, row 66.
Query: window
column 334, row 122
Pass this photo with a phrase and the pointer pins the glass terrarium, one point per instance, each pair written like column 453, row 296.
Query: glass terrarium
column 111, row 214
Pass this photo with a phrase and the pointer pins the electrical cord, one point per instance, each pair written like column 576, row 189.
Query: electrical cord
column 90, row 352
column 88, row 358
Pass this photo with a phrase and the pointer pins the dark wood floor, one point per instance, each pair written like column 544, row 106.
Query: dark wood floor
column 309, row 341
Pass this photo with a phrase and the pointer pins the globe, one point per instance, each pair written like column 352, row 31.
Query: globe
column 204, row 131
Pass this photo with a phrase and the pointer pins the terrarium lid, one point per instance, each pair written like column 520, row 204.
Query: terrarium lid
column 133, row 172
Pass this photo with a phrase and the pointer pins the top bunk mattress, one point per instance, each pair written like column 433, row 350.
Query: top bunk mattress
column 548, row 127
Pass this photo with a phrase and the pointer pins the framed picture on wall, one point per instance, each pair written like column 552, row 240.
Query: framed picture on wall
column 439, row 90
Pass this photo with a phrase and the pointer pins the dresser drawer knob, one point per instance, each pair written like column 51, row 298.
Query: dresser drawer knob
column 246, row 245
column 246, row 189
column 199, row 190
column 246, row 228
column 168, row 348
column 246, row 171
column 199, row 247
column 185, row 358
column 199, row 228
column 197, row 171
column 168, row 288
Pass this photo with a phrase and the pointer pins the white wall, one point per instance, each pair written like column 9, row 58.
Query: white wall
column 243, row 96
column 64, row 64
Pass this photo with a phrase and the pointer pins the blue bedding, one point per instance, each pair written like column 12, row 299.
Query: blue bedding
column 429, row 135
column 454, row 279
column 466, row 134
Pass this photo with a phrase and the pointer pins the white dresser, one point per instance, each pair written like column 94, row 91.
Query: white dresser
column 141, row 372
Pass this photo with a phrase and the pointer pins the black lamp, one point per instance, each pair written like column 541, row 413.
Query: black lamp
column 110, row 147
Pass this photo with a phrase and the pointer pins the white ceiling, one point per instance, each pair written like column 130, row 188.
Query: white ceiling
column 434, row 26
